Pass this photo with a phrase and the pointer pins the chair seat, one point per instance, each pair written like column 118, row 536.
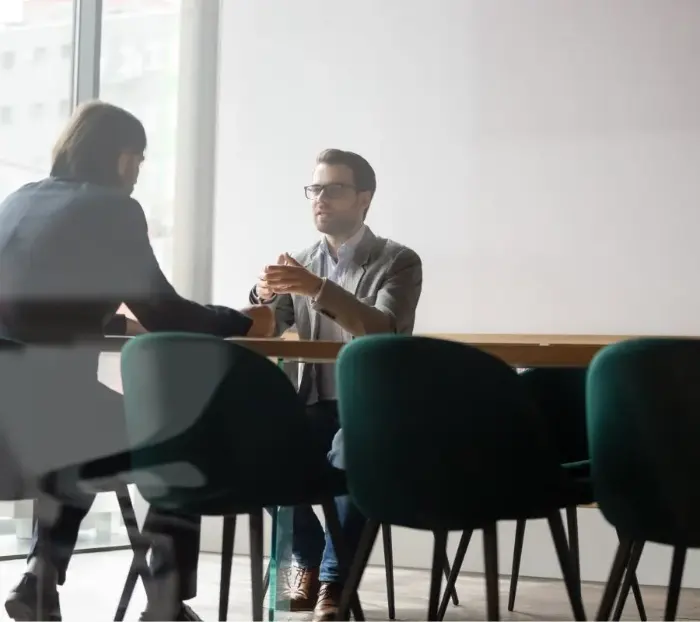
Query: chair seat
column 578, row 489
column 228, row 500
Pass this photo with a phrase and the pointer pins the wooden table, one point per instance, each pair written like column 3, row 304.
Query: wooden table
column 516, row 350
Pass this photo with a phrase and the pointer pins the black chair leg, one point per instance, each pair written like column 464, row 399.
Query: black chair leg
column 447, row 570
column 573, row 588
column 674, row 584
column 572, row 532
column 357, row 568
column 629, row 577
column 330, row 513
column 228, row 539
column 389, row 570
column 636, row 592
column 436, row 569
column 454, row 573
column 491, row 572
column 139, row 546
column 266, row 580
column 612, row 587
column 256, row 563
column 515, row 570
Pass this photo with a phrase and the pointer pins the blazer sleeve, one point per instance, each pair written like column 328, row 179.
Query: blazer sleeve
column 135, row 275
column 393, row 310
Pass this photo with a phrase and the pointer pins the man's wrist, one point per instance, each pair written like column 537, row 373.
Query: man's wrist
column 255, row 298
column 317, row 292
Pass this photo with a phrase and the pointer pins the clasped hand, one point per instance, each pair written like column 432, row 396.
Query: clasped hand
column 288, row 276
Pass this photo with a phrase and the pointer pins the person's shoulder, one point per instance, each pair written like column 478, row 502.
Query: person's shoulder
column 392, row 251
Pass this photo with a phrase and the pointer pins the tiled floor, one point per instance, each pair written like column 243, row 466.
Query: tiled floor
column 95, row 582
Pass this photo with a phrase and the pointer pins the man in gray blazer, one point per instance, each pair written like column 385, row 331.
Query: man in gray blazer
column 350, row 283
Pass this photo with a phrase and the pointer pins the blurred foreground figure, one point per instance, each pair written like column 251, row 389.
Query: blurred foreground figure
column 73, row 248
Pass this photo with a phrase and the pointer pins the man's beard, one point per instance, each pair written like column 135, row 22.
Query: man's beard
column 336, row 226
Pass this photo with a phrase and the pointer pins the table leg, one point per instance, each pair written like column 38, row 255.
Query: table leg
column 280, row 561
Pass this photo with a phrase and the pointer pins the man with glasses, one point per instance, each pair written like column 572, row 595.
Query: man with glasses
column 348, row 284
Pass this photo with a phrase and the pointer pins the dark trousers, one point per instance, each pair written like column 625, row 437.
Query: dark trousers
column 311, row 544
column 104, row 433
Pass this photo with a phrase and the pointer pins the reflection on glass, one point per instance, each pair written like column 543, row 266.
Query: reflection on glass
column 140, row 42
column 35, row 75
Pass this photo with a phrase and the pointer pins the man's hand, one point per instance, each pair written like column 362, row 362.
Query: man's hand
column 263, row 321
column 292, row 278
column 262, row 289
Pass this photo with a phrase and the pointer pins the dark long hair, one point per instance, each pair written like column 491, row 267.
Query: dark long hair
column 90, row 145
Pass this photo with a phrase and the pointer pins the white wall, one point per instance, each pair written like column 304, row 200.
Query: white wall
column 541, row 156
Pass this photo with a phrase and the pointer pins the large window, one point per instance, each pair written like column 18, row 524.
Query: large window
column 139, row 71
column 48, row 64
column 35, row 85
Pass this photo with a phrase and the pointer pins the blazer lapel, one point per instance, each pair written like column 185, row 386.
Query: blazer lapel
column 315, row 265
column 363, row 255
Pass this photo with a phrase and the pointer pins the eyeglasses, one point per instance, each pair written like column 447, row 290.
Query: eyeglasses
column 330, row 191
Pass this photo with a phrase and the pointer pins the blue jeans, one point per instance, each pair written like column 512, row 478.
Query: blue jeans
column 311, row 544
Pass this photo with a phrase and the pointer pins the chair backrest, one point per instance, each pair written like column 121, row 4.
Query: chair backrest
column 643, row 403
column 560, row 395
column 438, row 434
column 217, row 407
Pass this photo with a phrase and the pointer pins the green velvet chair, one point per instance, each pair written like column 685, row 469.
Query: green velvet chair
column 560, row 395
column 643, row 400
column 440, row 436
column 209, row 422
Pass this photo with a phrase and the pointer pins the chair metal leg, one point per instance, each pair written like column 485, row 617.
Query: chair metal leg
column 266, row 580
column 612, row 587
column 636, row 592
column 139, row 546
column 256, row 563
column 517, row 554
column 629, row 577
column 436, row 569
column 447, row 570
column 639, row 601
column 335, row 530
column 674, row 584
column 454, row 573
column 573, row 588
column 572, row 533
column 229, row 536
column 491, row 571
column 357, row 568
column 389, row 570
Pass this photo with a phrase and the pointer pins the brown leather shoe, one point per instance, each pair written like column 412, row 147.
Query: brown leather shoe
column 303, row 589
column 328, row 600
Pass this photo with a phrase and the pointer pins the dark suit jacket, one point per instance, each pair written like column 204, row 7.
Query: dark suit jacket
column 71, row 253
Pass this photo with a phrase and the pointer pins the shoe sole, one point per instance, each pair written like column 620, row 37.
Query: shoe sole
column 22, row 612
column 19, row 611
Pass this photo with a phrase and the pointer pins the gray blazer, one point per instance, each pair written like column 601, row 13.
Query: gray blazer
column 384, row 284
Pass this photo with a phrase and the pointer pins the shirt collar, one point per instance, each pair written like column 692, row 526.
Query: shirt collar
column 347, row 249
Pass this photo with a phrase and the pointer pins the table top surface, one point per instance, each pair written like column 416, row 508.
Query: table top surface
column 523, row 350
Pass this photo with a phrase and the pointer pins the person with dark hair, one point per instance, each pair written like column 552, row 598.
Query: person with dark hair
column 74, row 247
column 348, row 284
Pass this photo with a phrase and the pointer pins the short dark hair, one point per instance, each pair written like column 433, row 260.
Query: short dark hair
column 90, row 145
column 362, row 172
